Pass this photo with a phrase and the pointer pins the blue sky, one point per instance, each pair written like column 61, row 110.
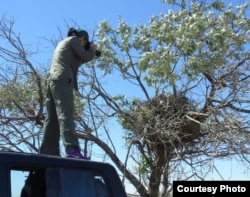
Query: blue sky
column 41, row 19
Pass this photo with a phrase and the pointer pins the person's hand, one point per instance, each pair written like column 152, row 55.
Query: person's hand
column 93, row 46
column 96, row 51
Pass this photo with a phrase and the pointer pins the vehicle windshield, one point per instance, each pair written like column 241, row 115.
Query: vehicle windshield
column 58, row 182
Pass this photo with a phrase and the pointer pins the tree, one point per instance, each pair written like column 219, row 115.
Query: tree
column 193, row 67
column 190, row 65
column 21, row 90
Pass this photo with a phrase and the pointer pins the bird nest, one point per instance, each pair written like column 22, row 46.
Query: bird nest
column 163, row 120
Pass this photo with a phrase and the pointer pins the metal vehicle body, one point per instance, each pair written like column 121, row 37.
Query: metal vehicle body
column 64, row 177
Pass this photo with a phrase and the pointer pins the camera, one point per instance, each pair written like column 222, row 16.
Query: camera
column 97, row 52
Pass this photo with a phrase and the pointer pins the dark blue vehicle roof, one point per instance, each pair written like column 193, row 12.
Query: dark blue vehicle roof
column 28, row 161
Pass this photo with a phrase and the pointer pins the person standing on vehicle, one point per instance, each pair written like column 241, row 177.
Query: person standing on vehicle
column 69, row 55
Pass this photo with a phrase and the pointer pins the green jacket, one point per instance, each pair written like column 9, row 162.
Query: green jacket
column 68, row 56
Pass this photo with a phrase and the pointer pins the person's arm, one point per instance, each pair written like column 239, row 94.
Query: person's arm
column 81, row 52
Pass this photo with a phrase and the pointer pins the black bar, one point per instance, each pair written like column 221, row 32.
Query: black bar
column 211, row 188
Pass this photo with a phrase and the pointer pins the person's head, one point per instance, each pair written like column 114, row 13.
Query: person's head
column 81, row 34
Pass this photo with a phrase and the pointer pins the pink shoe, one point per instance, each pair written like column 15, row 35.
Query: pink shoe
column 76, row 154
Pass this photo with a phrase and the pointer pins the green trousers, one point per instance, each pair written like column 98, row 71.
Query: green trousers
column 59, row 121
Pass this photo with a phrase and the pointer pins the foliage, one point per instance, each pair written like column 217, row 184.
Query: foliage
column 200, row 51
